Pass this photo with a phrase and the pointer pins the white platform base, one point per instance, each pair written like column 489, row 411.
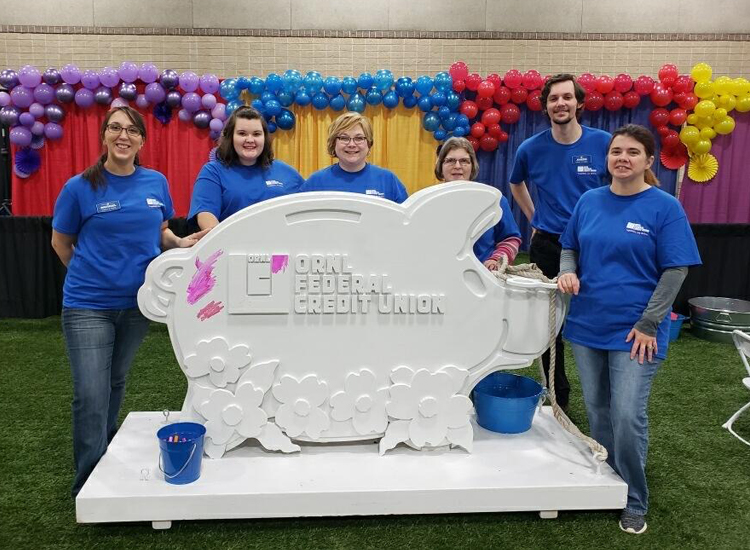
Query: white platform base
column 545, row 469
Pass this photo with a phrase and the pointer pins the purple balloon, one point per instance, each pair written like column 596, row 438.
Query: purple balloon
column 142, row 101
column 119, row 102
column 214, row 135
column 169, row 79
column 29, row 76
column 189, row 81
column 208, row 101
column 109, row 77
column 191, row 101
column 70, row 74
column 155, row 92
column 90, row 79
column 27, row 119
column 44, row 93
column 128, row 91
column 216, row 125
column 54, row 113
column 220, row 111
column 174, row 98
column 128, row 71
column 209, row 83
column 184, row 115
column 65, row 93
column 202, row 119
column 51, row 76
column 103, row 95
column 9, row 115
column 148, row 73
column 20, row 135
column 53, row 131
column 4, row 99
column 8, row 79
column 37, row 128
column 84, row 98
column 37, row 141
column 21, row 96
column 36, row 109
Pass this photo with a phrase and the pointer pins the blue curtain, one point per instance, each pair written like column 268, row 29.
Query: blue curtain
column 495, row 167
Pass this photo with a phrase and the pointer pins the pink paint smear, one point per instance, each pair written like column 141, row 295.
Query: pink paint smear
column 211, row 309
column 203, row 281
column 279, row 262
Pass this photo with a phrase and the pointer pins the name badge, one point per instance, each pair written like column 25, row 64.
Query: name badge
column 154, row 203
column 274, row 183
column 109, row 206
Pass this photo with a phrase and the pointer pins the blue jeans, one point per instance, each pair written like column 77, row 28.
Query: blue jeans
column 616, row 391
column 101, row 346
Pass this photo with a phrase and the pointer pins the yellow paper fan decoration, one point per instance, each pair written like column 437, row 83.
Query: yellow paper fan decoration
column 703, row 168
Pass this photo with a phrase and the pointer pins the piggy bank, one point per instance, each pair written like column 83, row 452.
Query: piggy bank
column 333, row 317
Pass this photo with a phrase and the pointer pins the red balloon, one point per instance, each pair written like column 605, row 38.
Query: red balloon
column 594, row 101
column 510, row 113
column 474, row 142
column 690, row 101
column 604, row 84
column 484, row 103
column 459, row 71
column 613, row 101
column 513, row 79
column 469, row 108
column 490, row 117
column 534, row 101
column 631, row 99
column 519, row 95
column 643, row 84
column 477, row 129
column 683, row 84
column 661, row 96
column 502, row 95
column 532, row 80
column 459, row 86
column 668, row 75
column 495, row 79
column 671, row 140
column 503, row 137
column 473, row 81
column 678, row 97
column 587, row 81
column 486, row 89
column 623, row 83
column 658, row 117
column 663, row 130
column 488, row 143
column 677, row 117
column 495, row 131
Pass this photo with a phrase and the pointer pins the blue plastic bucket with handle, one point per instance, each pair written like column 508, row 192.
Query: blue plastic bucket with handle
column 181, row 446
column 506, row 403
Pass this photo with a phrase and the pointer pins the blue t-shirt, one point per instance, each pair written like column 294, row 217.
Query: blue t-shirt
column 223, row 190
column 506, row 227
column 118, row 229
column 561, row 173
column 371, row 180
column 624, row 244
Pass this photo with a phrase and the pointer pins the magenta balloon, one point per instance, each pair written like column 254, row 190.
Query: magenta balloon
column 148, row 73
column 90, row 79
column 4, row 99
column 191, row 101
column 36, row 109
column 189, row 81
column 184, row 115
column 216, row 125
column 21, row 136
column 119, row 102
column 64, row 93
column 26, row 119
column 37, row 128
column 155, row 92
column 208, row 101
column 54, row 113
column 29, row 76
column 84, row 97
column 142, row 101
column 209, row 83
column 21, row 96
column 44, row 93
column 109, row 77
column 220, row 111
column 70, row 74
column 128, row 71
column 53, row 131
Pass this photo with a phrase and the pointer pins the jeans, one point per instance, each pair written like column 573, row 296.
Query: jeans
column 101, row 346
column 616, row 391
column 545, row 252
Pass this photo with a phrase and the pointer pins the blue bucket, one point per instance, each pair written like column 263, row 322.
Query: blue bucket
column 675, row 326
column 506, row 403
column 181, row 447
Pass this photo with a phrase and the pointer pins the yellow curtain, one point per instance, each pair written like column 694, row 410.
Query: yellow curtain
column 400, row 143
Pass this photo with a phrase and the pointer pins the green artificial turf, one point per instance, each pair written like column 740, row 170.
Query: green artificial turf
column 699, row 474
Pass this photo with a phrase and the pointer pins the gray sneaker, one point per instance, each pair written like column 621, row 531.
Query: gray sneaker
column 632, row 523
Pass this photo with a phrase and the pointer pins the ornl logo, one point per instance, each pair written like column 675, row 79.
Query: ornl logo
column 259, row 283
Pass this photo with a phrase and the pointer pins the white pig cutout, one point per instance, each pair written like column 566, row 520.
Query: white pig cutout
column 334, row 317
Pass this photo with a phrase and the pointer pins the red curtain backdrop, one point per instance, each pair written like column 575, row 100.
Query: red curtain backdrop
column 178, row 150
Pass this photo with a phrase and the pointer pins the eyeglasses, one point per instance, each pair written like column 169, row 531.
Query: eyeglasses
column 115, row 128
column 462, row 162
column 346, row 140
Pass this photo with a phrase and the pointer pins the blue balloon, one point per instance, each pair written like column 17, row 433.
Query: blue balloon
column 438, row 99
column 265, row 97
column 462, row 120
column 424, row 103
column 303, row 98
column 410, row 101
column 460, row 131
column 332, row 85
column 365, row 81
column 440, row 135
column 390, row 99
column 243, row 83
column 356, row 103
column 424, row 85
column 452, row 100
column 374, row 97
column 444, row 112
column 431, row 121
column 313, row 82
column 449, row 123
column 443, row 81
column 285, row 119
column 292, row 80
column 274, row 83
column 228, row 89
column 383, row 79
column 271, row 126
column 320, row 101
column 232, row 106
column 273, row 107
column 337, row 102
column 285, row 98
column 404, row 86
column 257, row 104
column 349, row 85
column 256, row 85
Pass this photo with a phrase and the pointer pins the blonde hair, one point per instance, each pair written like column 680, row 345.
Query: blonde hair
column 345, row 122
column 451, row 144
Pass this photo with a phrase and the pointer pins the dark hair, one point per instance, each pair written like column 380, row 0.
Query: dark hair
column 451, row 144
column 580, row 92
column 94, row 174
column 644, row 137
column 226, row 154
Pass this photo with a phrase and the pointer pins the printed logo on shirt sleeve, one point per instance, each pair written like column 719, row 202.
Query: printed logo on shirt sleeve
column 274, row 183
column 154, row 203
column 374, row 192
column 638, row 229
column 109, row 206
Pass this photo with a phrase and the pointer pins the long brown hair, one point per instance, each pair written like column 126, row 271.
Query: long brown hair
column 644, row 137
column 94, row 174
column 225, row 152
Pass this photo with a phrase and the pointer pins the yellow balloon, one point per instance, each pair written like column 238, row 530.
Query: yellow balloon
column 724, row 126
column 704, row 122
column 719, row 114
column 705, row 108
column 704, row 90
column 692, row 118
column 723, row 85
column 689, row 135
column 708, row 133
column 740, row 86
column 701, row 72
column 727, row 101
column 701, row 147
column 743, row 103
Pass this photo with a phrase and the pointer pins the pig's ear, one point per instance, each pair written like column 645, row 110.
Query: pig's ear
column 456, row 213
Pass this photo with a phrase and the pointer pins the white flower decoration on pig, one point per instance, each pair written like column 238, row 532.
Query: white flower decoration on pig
column 300, row 410
column 363, row 402
column 216, row 359
column 427, row 410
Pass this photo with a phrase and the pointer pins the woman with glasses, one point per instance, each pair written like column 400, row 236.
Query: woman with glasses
column 349, row 140
column 456, row 161
column 244, row 172
column 109, row 223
